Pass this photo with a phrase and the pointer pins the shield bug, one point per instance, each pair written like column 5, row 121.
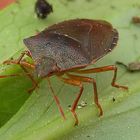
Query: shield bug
column 43, row 8
column 66, row 49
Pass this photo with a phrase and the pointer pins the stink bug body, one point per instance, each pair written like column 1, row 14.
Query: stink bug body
column 68, row 48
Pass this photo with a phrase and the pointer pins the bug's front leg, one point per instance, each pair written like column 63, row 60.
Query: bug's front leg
column 19, row 59
column 56, row 99
column 24, row 65
column 26, row 52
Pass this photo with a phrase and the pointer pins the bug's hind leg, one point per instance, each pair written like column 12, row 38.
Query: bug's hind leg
column 104, row 69
column 113, row 83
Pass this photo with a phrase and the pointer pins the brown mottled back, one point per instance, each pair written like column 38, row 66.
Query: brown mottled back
column 71, row 44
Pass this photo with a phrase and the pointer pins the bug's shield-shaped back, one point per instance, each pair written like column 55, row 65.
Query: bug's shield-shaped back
column 97, row 37
column 55, row 50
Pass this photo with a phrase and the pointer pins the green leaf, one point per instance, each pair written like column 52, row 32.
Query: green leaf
column 38, row 117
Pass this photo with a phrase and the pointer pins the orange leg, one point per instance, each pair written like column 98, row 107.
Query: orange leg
column 22, row 55
column 20, row 74
column 74, row 83
column 89, row 80
column 24, row 65
column 56, row 99
column 11, row 75
column 103, row 69
column 35, row 84
column 19, row 60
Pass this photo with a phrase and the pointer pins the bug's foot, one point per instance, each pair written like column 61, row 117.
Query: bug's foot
column 100, row 109
column 76, row 118
column 124, row 87
column 100, row 112
column 33, row 88
column 119, row 86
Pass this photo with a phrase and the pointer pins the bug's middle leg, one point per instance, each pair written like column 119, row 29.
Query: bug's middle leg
column 92, row 81
column 78, row 84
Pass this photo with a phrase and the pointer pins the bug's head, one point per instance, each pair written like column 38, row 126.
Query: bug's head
column 35, row 43
column 46, row 66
